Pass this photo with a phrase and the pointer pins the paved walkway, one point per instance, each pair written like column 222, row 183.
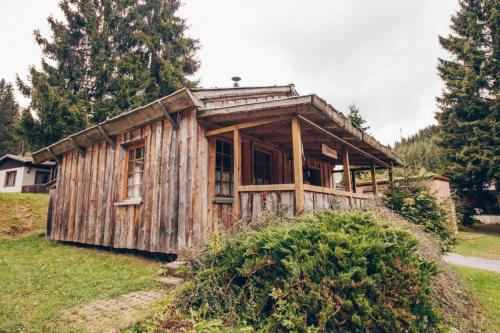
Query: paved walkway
column 111, row 315
column 475, row 262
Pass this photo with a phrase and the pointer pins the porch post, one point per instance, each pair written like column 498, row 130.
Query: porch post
column 347, row 170
column 353, row 181
column 391, row 179
column 237, row 173
column 374, row 179
column 297, row 166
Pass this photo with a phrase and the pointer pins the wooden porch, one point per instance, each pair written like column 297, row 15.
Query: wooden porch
column 298, row 147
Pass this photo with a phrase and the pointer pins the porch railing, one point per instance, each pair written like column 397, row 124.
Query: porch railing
column 257, row 199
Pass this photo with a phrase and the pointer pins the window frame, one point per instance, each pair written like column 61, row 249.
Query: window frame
column 7, row 173
column 221, row 182
column 270, row 165
column 126, row 174
column 38, row 172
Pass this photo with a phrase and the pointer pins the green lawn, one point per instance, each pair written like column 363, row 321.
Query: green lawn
column 486, row 287
column 39, row 279
column 22, row 214
column 478, row 242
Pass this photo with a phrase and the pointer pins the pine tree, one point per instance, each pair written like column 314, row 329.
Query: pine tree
column 356, row 118
column 421, row 152
column 9, row 115
column 469, row 117
column 104, row 58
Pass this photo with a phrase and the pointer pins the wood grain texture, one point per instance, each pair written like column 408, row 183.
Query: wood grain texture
column 174, row 212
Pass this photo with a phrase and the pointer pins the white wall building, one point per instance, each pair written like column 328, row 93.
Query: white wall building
column 19, row 174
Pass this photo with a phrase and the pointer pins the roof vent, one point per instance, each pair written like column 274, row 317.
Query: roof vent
column 236, row 80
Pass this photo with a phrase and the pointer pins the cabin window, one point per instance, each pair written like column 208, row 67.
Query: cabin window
column 261, row 167
column 223, row 169
column 41, row 177
column 135, row 170
column 10, row 178
column 312, row 176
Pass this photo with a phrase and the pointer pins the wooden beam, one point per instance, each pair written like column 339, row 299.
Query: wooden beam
column 167, row 115
column 329, row 152
column 347, row 170
column 297, row 166
column 362, row 152
column 106, row 136
column 245, row 125
column 391, row 178
column 53, row 155
column 266, row 188
column 77, row 146
column 374, row 179
column 353, row 180
column 237, row 173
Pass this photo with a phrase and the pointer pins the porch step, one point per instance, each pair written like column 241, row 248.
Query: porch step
column 174, row 267
column 170, row 280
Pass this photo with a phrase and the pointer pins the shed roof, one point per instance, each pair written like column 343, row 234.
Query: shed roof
column 245, row 103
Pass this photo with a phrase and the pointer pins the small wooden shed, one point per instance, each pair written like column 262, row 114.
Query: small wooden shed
column 165, row 176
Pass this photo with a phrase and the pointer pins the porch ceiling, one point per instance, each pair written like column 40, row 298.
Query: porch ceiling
column 312, row 108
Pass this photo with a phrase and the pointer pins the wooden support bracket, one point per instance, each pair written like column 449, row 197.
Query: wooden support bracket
column 53, row 155
column 77, row 146
column 246, row 125
column 167, row 115
column 351, row 146
column 106, row 136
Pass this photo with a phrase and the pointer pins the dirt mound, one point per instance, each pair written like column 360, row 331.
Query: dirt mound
column 449, row 294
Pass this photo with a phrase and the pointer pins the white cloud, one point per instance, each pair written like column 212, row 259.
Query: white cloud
column 381, row 55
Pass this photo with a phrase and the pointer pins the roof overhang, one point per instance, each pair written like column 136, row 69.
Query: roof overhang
column 311, row 107
column 178, row 101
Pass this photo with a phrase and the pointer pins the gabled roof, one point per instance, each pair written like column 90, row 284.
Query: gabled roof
column 23, row 159
column 226, row 106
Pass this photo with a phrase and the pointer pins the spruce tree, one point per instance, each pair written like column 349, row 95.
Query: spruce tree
column 356, row 118
column 9, row 115
column 104, row 58
column 469, row 116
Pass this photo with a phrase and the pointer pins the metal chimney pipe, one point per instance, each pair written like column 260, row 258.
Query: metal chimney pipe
column 236, row 80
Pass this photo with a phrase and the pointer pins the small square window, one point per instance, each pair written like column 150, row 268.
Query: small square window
column 10, row 178
column 134, row 171
column 261, row 167
column 223, row 169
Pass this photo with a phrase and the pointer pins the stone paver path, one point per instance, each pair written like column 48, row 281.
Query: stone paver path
column 475, row 262
column 111, row 315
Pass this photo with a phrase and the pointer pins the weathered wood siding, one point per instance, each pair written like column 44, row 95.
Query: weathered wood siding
column 174, row 210
column 316, row 201
column 254, row 204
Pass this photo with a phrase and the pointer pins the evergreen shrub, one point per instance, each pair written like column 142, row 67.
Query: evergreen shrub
column 327, row 272
column 415, row 203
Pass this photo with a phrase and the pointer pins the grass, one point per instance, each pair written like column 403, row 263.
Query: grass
column 479, row 241
column 39, row 279
column 486, row 287
column 22, row 214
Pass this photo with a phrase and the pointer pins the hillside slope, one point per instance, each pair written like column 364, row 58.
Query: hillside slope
column 22, row 214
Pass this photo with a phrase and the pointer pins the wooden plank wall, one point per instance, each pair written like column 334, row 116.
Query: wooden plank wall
column 174, row 213
column 254, row 204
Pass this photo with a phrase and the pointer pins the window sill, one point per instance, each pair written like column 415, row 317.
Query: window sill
column 223, row 200
column 129, row 202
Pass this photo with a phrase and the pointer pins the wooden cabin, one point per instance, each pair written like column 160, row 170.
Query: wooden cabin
column 165, row 176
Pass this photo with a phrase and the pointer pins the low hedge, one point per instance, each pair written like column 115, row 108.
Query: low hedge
column 327, row 272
